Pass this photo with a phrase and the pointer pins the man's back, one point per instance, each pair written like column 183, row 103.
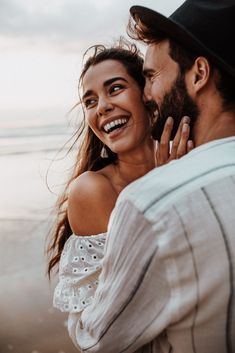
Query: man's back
column 190, row 204
column 167, row 283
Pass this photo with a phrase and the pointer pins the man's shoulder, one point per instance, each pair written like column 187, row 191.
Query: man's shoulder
column 204, row 165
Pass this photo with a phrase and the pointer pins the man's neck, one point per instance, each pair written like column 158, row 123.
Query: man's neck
column 213, row 125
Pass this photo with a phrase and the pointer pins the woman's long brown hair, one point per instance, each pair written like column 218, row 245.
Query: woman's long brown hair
column 88, row 157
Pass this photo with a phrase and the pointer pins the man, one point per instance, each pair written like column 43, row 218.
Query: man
column 168, row 278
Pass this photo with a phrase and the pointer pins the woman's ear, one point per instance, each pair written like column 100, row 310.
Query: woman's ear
column 200, row 74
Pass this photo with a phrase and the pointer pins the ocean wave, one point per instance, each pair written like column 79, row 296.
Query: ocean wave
column 33, row 144
column 28, row 139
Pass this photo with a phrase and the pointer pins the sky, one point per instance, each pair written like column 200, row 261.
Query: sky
column 42, row 42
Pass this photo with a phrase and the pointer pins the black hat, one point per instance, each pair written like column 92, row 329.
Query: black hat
column 205, row 26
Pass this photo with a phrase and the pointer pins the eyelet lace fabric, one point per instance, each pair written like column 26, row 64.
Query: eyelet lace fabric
column 79, row 269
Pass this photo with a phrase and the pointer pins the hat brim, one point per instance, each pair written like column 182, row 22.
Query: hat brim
column 175, row 31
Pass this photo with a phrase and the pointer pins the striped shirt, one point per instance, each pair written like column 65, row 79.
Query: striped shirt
column 168, row 277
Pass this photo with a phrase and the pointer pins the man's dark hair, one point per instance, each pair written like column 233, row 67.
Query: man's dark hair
column 185, row 58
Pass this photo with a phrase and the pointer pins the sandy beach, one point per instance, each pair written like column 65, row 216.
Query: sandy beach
column 29, row 323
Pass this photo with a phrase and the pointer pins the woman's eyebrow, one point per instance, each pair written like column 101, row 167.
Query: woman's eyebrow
column 105, row 84
column 111, row 80
column 87, row 94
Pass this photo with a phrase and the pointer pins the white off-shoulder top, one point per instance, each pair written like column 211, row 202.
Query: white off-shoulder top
column 79, row 269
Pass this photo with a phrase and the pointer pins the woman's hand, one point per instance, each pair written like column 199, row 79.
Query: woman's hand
column 180, row 145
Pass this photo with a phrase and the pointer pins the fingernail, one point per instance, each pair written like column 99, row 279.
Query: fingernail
column 169, row 120
column 186, row 119
column 185, row 128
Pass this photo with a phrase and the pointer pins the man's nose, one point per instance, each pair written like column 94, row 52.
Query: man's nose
column 147, row 93
column 104, row 106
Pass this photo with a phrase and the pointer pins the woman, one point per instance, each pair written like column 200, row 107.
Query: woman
column 118, row 148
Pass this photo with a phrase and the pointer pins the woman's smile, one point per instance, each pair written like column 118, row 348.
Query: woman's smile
column 117, row 130
column 114, row 124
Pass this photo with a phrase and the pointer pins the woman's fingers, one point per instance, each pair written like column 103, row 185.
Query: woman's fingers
column 163, row 148
column 190, row 146
column 183, row 144
column 180, row 145
column 177, row 138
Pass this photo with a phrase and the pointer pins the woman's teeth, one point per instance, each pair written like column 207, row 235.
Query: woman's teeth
column 114, row 125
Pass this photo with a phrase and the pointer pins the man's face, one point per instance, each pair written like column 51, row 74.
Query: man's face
column 165, row 85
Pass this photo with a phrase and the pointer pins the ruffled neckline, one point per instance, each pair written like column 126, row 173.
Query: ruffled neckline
column 89, row 236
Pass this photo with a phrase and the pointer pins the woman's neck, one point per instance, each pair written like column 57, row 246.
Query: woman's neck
column 134, row 164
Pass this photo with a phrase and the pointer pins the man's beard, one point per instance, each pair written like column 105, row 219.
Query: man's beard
column 177, row 103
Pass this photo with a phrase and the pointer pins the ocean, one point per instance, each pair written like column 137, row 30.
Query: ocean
column 32, row 175
column 32, row 160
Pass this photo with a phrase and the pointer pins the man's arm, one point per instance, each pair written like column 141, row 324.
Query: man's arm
column 130, row 305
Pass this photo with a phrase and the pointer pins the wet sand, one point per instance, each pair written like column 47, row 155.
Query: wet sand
column 29, row 323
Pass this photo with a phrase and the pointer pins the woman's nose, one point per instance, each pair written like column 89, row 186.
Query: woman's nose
column 104, row 106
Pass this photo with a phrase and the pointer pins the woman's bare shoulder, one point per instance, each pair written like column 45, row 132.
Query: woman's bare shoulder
column 90, row 202
column 90, row 185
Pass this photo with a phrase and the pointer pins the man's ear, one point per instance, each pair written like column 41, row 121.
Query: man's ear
column 200, row 74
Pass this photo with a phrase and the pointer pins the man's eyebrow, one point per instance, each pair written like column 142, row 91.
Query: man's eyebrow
column 105, row 84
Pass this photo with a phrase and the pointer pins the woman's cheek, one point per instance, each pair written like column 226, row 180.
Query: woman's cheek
column 90, row 120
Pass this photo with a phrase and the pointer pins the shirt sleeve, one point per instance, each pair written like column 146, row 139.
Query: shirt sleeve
column 131, row 305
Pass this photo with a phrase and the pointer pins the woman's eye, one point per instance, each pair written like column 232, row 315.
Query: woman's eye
column 89, row 102
column 115, row 88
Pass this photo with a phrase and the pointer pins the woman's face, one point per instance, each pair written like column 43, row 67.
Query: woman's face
column 114, row 107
